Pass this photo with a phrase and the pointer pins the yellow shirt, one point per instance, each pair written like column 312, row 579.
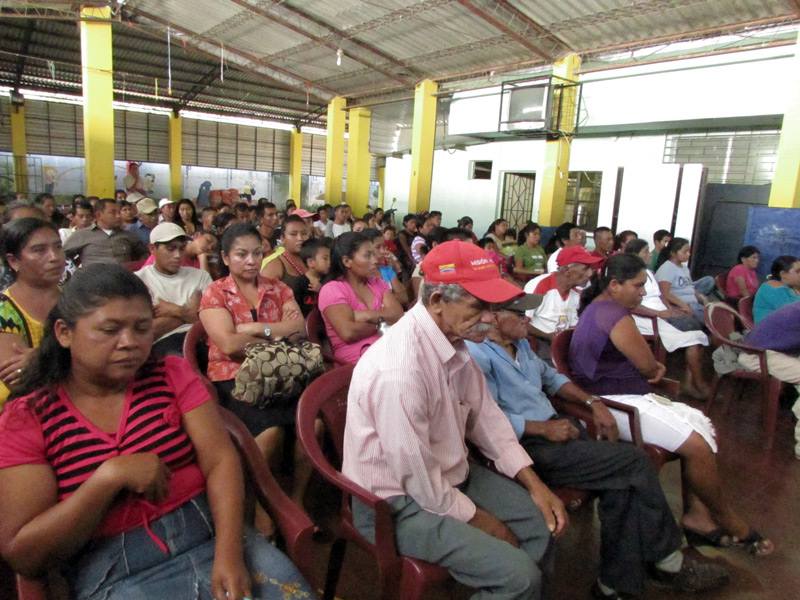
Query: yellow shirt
column 14, row 319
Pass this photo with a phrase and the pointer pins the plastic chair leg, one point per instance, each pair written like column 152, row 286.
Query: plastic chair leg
column 712, row 392
column 772, row 392
column 335, row 562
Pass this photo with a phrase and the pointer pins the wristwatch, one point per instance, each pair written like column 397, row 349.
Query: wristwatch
column 591, row 400
column 267, row 331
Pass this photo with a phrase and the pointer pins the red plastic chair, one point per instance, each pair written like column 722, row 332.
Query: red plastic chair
column 399, row 577
column 658, row 348
column 315, row 332
column 746, row 311
column 195, row 336
column 721, row 320
column 560, row 354
column 721, row 283
column 295, row 526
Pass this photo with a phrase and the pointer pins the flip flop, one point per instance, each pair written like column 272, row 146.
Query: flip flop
column 756, row 544
column 718, row 538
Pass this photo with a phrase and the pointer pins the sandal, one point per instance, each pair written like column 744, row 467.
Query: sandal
column 756, row 544
column 718, row 538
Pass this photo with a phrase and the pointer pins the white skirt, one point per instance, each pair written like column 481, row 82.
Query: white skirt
column 672, row 337
column 668, row 426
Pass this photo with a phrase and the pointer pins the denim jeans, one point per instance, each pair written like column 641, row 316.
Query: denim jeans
column 131, row 566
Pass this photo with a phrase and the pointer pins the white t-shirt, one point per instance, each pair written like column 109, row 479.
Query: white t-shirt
column 334, row 230
column 552, row 265
column 178, row 288
column 555, row 311
column 321, row 226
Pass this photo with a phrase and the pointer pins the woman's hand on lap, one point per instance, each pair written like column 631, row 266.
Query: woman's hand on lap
column 230, row 579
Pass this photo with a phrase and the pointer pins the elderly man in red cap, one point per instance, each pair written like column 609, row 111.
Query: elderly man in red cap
column 560, row 289
column 416, row 396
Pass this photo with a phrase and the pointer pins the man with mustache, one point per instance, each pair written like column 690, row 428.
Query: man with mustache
column 415, row 397
column 636, row 523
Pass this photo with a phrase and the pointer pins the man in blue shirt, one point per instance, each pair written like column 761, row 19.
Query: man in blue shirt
column 637, row 526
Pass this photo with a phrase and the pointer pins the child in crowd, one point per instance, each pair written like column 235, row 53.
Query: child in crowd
column 316, row 256
column 490, row 246
column 389, row 235
column 510, row 242
column 388, row 265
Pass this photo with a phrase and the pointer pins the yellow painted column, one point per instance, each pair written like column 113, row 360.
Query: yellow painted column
column 422, row 140
column 175, row 157
column 556, row 154
column 19, row 148
column 296, row 165
column 381, row 184
column 785, row 190
column 98, row 95
column 334, row 151
column 358, row 161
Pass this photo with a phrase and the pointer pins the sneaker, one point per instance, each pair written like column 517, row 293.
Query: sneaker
column 693, row 577
column 597, row 594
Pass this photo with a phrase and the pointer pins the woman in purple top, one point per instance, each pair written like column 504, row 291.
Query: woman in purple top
column 355, row 300
column 609, row 356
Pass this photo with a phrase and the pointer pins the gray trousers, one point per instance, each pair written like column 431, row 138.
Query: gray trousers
column 473, row 557
column 636, row 523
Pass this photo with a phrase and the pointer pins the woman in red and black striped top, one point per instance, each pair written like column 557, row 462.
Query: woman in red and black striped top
column 114, row 464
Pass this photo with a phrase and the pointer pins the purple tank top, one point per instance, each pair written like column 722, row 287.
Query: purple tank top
column 596, row 364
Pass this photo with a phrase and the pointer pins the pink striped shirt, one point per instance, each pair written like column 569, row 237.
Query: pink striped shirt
column 414, row 399
column 47, row 429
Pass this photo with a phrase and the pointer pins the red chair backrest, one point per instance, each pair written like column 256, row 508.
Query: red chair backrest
column 721, row 320
column 559, row 351
column 746, row 311
column 721, row 281
column 194, row 337
column 326, row 396
column 315, row 332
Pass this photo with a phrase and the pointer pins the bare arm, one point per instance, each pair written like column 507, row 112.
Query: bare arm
column 672, row 300
column 399, row 290
column 37, row 532
column 740, row 283
column 627, row 339
column 555, row 515
column 273, row 269
column 220, row 464
column 518, row 268
column 291, row 322
column 14, row 355
column 219, row 325
column 604, row 421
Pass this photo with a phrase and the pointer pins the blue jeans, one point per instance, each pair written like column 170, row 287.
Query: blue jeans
column 131, row 566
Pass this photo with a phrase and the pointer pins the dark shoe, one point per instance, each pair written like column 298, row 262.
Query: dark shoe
column 718, row 538
column 597, row 594
column 693, row 577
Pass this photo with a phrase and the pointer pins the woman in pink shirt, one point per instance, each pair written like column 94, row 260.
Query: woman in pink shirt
column 742, row 279
column 355, row 300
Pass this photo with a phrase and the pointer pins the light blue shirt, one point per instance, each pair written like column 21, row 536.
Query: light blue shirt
column 517, row 385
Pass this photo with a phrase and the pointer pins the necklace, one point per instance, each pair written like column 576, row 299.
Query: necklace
column 299, row 268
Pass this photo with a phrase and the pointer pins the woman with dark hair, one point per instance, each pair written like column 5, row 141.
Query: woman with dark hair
column 782, row 287
column 622, row 238
column 355, row 300
column 109, row 454
column 608, row 356
column 288, row 266
column 186, row 217
column 677, row 288
column 530, row 257
column 497, row 231
column 466, row 224
column 742, row 279
column 671, row 337
column 31, row 248
column 245, row 308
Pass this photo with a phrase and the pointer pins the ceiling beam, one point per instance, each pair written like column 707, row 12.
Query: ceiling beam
column 210, row 77
column 534, row 25
column 320, row 40
column 343, row 35
column 483, row 13
column 23, row 53
column 248, row 62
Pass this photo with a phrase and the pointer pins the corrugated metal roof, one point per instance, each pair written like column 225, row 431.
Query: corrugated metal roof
column 281, row 55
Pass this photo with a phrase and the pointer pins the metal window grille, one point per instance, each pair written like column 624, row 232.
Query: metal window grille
column 743, row 157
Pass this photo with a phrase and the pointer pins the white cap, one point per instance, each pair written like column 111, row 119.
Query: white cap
column 164, row 201
column 166, row 232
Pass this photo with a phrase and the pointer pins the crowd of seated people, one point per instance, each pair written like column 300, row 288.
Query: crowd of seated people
column 251, row 273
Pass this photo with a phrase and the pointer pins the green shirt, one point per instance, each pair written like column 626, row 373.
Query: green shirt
column 535, row 259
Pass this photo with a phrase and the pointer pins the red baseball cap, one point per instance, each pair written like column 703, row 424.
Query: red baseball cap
column 470, row 267
column 576, row 254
